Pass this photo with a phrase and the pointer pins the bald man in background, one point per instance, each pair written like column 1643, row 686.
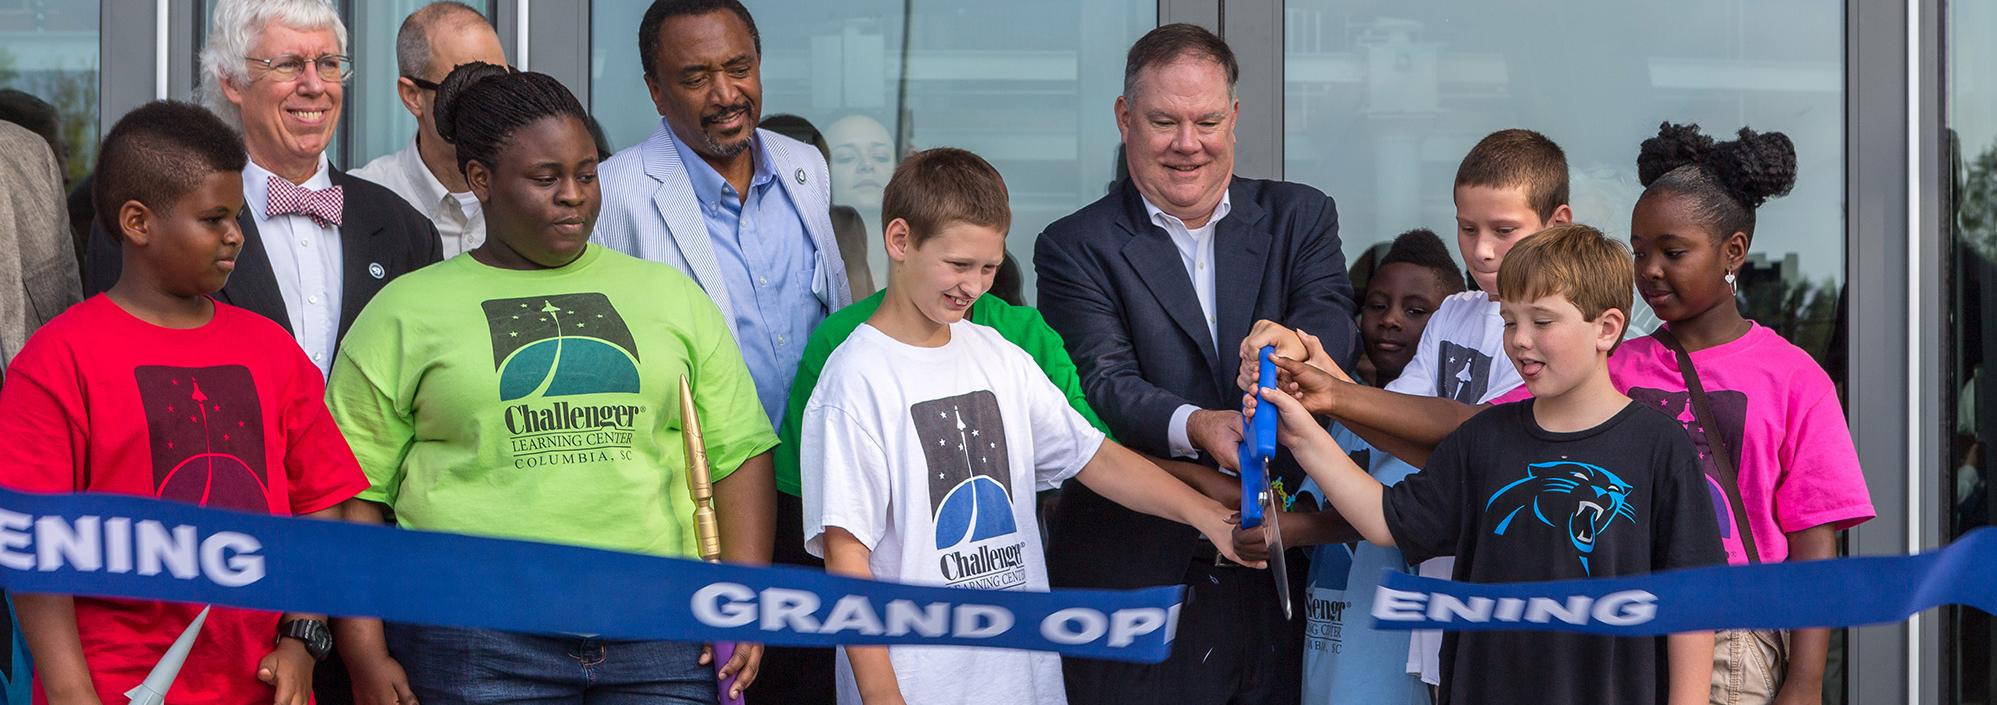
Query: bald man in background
column 433, row 40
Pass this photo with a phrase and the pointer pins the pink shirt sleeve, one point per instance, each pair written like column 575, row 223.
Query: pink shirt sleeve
column 1821, row 481
column 1518, row 393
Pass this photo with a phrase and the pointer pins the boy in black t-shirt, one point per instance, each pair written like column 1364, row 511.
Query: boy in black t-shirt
column 1575, row 483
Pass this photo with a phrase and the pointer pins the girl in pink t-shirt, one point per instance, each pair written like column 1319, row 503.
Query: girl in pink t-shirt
column 1774, row 407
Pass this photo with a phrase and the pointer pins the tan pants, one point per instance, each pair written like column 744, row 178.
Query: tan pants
column 1748, row 666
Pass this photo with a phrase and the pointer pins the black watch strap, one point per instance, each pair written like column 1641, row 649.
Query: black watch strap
column 313, row 633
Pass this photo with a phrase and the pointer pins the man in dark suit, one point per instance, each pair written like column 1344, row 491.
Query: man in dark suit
column 317, row 243
column 1153, row 287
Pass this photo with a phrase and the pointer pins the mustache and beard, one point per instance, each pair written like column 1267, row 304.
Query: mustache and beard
column 719, row 148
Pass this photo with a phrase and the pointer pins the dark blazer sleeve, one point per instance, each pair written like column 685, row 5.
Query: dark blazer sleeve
column 1076, row 303
column 430, row 246
column 1321, row 297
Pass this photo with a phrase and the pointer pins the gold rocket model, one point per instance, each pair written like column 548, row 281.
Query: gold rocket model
column 698, row 480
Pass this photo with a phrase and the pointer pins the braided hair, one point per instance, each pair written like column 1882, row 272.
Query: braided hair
column 1726, row 180
column 480, row 106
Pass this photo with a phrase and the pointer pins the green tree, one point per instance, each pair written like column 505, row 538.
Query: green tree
column 1976, row 203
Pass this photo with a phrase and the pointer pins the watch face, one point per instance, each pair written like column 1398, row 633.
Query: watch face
column 318, row 640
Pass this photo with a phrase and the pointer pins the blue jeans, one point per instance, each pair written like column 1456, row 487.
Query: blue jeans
column 448, row 666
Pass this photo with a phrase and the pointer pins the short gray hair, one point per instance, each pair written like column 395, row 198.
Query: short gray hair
column 412, row 41
column 237, row 25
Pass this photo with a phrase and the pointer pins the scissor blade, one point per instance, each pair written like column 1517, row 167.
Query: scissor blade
column 1276, row 566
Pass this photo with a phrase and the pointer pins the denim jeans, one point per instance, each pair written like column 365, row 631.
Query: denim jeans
column 448, row 666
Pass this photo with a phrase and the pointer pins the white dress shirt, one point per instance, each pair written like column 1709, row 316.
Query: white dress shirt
column 305, row 258
column 459, row 220
column 1196, row 252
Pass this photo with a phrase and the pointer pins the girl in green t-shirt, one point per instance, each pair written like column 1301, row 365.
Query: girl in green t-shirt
column 561, row 431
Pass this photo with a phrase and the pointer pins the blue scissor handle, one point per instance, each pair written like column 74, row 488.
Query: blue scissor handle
column 1258, row 444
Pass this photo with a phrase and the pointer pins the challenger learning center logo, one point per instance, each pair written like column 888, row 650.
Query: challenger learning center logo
column 970, row 491
column 564, row 345
column 205, row 426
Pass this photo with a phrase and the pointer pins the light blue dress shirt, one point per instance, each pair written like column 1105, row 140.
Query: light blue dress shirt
column 767, row 259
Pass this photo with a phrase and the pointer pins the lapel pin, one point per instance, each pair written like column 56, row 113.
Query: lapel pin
column 375, row 270
column 800, row 176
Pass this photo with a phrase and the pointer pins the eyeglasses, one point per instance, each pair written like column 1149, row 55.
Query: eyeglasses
column 420, row 83
column 332, row 68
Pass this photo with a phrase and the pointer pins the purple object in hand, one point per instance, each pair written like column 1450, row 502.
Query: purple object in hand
column 723, row 651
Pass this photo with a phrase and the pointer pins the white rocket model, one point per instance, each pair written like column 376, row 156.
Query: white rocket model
column 152, row 691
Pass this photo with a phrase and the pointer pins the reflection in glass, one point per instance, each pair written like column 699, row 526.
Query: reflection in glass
column 48, row 50
column 1382, row 100
column 1028, row 85
column 862, row 160
column 1971, row 157
column 377, row 123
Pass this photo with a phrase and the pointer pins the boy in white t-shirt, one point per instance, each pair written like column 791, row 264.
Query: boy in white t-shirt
column 928, row 435
column 1511, row 185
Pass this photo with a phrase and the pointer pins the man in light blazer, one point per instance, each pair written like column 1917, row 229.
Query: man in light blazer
column 745, row 212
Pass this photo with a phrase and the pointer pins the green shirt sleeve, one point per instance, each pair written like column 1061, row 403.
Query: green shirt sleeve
column 1023, row 326
column 826, row 338
column 370, row 404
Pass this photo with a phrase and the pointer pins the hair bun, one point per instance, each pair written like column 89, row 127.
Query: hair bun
column 1756, row 166
column 460, row 80
column 1674, row 146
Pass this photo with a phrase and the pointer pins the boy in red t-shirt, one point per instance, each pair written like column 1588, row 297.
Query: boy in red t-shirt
column 154, row 389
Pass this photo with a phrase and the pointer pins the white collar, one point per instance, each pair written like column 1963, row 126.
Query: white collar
column 1161, row 218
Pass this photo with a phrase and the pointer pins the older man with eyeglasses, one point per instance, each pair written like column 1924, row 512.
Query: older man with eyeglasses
column 434, row 39
column 318, row 243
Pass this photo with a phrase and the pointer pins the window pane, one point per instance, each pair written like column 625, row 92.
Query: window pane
column 377, row 124
column 48, row 50
column 1015, row 82
column 1971, row 157
column 1383, row 100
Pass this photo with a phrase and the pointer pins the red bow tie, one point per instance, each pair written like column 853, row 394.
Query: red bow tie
column 323, row 206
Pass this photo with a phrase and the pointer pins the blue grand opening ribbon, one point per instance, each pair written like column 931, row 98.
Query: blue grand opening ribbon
column 1828, row 593
column 131, row 547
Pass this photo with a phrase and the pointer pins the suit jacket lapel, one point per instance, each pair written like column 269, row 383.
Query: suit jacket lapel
column 253, row 285
column 1152, row 253
column 1241, row 264
column 359, row 255
column 681, row 209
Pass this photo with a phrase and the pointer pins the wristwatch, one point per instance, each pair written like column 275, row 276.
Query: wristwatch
column 313, row 633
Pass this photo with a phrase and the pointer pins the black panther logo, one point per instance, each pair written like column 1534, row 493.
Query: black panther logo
column 1584, row 499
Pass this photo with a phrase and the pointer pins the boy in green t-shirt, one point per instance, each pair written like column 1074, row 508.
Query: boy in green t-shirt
column 1019, row 325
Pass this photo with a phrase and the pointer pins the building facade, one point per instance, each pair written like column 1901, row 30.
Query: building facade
column 1882, row 263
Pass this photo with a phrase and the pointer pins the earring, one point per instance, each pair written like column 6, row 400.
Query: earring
column 1730, row 283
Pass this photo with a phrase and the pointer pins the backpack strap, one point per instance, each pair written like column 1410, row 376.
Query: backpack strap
column 1716, row 442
